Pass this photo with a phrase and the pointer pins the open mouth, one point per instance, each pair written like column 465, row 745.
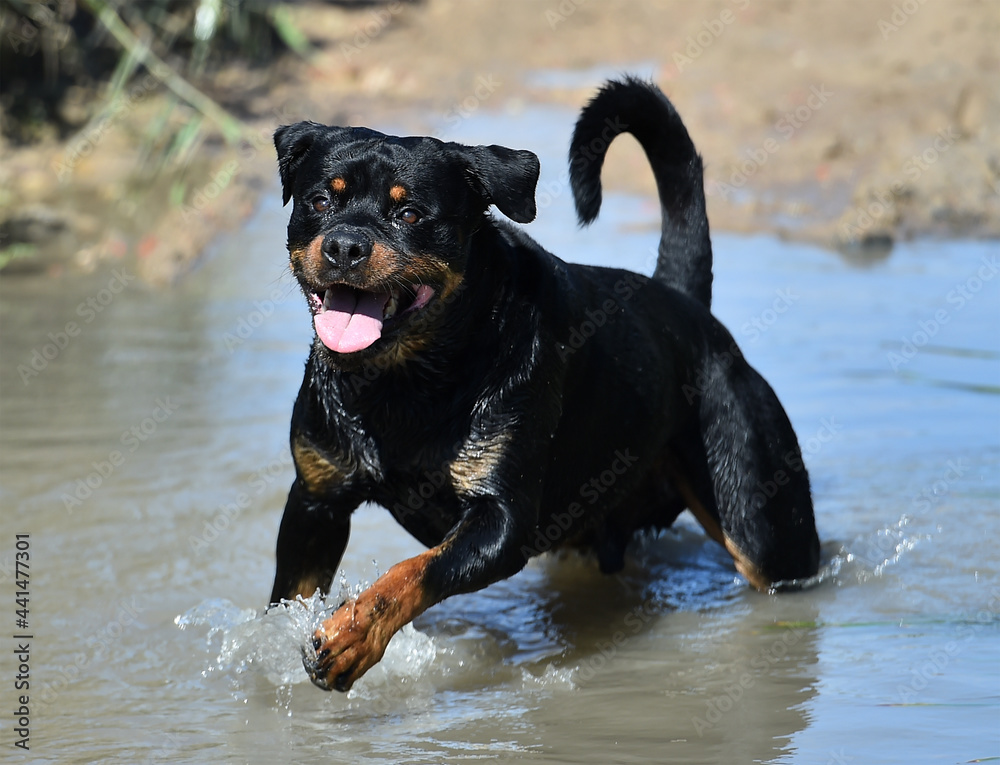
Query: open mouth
column 349, row 319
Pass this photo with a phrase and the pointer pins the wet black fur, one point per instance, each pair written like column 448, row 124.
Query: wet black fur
column 659, row 390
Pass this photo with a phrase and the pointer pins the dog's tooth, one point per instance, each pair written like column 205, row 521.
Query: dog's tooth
column 328, row 298
column 392, row 305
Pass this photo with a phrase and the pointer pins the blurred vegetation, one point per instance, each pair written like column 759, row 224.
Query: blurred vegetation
column 171, row 77
column 68, row 64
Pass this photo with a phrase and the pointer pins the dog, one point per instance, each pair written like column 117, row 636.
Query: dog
column 500, row 402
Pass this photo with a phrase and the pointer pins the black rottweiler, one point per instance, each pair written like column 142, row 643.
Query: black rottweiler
column 500, row 402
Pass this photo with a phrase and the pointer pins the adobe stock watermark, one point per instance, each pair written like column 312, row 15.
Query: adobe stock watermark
column 901, row 13
column 839, row 757
column 549, row 191
column 45, row 18
column 883, row 201
column 262, row 138
column 373, row 369
column 930, row 496
column 95, row 647
column 420, row 495
column 209, row 192
column 705, row 38
column 598, row 146
column 716, row 369
column 84, row 143
column 755, row 158
column 228, row 512
column 557, row 14
column 250, row 145
column 794, row 462
column 485, row 87
column 758, row 325
column 7, row 569
column 376, row 21
column 957, row 298
column 88, row 310
column 717, row 707
column 624, row 290
column 885, row 547
column 131, row 439
column 250, row 322
column 590, row 491
column 607, row 650
column 828, row 429
column 934, row 664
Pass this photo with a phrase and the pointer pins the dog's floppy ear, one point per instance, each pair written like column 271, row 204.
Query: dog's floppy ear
column 505, row 177
column 292, row 143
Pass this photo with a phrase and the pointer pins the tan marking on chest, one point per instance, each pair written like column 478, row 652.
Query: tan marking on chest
column 317, row 472
column 477, row 462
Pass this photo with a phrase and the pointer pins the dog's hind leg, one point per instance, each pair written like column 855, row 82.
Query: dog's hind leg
column 747, row 485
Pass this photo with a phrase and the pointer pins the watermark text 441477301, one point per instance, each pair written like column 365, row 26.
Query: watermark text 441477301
column 88, row 310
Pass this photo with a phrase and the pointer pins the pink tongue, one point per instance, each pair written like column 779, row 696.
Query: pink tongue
column 352, row 321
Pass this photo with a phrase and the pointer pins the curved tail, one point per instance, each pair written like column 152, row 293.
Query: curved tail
column 632, row 106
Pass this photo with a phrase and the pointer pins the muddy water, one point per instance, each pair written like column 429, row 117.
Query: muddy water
column 144, row 453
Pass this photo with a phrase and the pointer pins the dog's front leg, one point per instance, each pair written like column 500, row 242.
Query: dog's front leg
column 485, row 547
column 311, row 541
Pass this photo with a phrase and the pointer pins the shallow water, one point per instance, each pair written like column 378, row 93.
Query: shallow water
column 147, row 460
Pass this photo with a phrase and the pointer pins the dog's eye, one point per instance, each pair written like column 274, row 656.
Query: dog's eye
column 321, row 204
column 409, row 215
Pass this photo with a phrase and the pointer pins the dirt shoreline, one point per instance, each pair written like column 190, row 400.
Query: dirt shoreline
column 850, row 124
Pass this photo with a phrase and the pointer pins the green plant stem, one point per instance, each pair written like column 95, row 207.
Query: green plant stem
column 232, row 129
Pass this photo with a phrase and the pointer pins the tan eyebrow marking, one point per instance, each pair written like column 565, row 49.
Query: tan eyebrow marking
column 338, row 184
column 397, row 193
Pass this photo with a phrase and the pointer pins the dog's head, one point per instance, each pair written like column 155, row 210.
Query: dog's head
column 381, row 226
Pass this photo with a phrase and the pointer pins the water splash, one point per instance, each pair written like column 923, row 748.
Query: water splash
column 553, row 678
column 250, row 642
column 246, row 645
column 869, row 556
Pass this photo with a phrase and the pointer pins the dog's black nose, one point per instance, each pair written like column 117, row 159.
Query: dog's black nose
column 347, row 247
